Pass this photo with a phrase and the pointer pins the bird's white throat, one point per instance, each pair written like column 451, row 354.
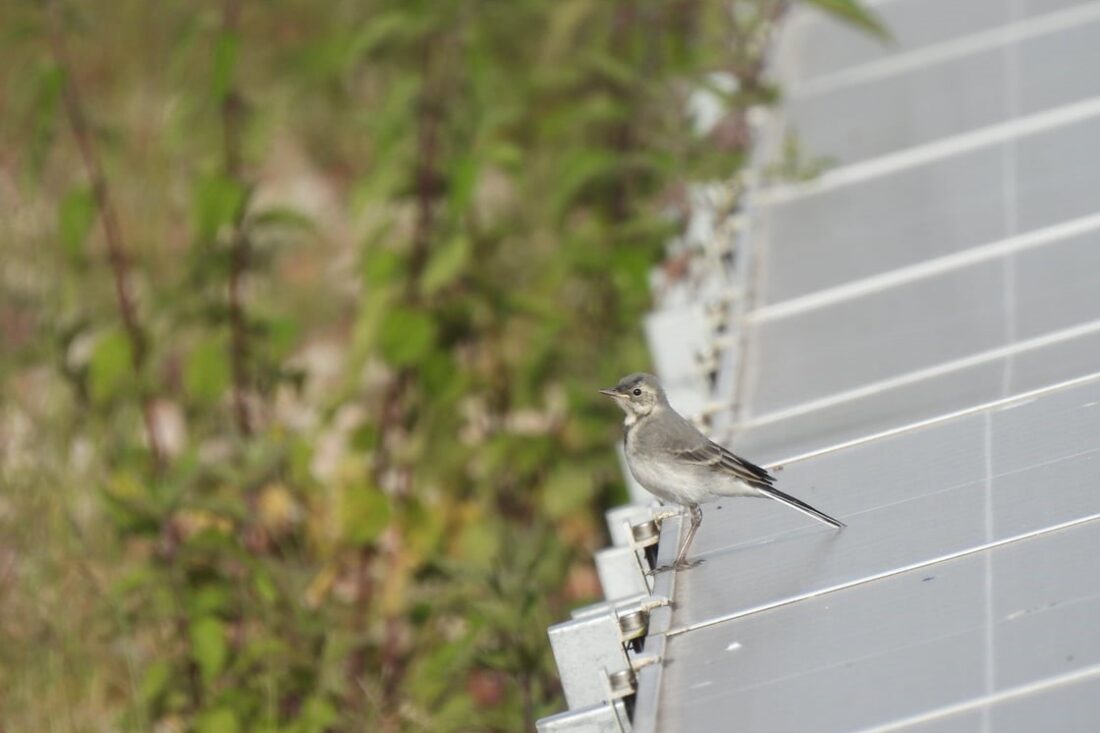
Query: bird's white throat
column 633, row 417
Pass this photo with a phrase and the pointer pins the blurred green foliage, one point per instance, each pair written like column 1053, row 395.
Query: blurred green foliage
column 381, row 254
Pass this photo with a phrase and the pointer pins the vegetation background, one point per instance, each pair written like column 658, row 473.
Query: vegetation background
column 302, row 310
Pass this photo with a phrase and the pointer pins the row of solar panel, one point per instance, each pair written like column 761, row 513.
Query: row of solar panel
column 900, row 290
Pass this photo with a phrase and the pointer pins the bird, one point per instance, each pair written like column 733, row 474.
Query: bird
column 675, row 462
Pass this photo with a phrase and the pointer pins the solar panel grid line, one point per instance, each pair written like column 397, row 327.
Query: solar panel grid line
column 815, row 45
column 675, row 630
column 1069, row 678
column 937, row 150
column 920, row 375
column 919, row 58
column 928, row 422
column 1046, row 91
column 923, row 269
column 958, row 391
column 1010, row 195
column 990, row 668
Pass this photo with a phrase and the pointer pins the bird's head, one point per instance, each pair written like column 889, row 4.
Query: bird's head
column 637, row 394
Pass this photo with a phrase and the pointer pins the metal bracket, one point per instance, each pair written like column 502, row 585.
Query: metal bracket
column 587, row 650
column 603, row 718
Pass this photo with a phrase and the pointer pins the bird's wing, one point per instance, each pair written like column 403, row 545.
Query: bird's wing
column 715, row 456
column 709, row 453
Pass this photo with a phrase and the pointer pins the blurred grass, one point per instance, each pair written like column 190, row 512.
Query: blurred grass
column 381, row 255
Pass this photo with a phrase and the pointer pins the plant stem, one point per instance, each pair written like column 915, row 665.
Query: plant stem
column 231, row 112
column 117, row 255
column 427, row 181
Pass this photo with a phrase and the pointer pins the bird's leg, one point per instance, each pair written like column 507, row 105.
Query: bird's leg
column 696, row 520
column 664, row 514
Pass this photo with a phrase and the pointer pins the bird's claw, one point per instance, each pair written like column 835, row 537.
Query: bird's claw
column 681, row 565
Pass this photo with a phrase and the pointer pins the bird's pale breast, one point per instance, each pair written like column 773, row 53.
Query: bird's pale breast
column 676, row 480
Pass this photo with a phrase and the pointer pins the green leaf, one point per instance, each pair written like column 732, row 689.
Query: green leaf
column 406, row 336
column 155, row 680
column 280, row 334
column 478, row 543
column 218, row 720
column 318, row 715
column 366, row 513
column 431, row 673
column 566, row 491
column 445, row 265
column 463, row 181
column 209, row 647
column 382, row 267
column 206, row 374
column 580, row 169
column 225, row 61
column 207, row 600
column 110, row 368
column 281, row 217
column 74, row 220
column 853, row 12
column 217, row 201
column 265, row 588
column 47, row 83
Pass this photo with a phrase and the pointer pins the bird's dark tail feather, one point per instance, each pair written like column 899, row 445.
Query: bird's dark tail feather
column 800, row 505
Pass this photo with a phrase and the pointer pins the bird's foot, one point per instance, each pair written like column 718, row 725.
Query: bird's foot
column 682, row 565
column 667, row 514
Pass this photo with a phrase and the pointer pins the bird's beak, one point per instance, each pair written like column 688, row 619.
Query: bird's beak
column 610, row 392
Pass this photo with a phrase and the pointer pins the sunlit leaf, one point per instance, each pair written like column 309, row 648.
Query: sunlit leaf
column 386, row 28
column 128, row 502
column 47, row 82
column 110, row 369
column 225, row 61
column 446, row 265
column 281, row 334
column 217, row 202
column 218, row 720
column 479, row 542
column 433, row 672
column 207, row 600
column 318, row 715
column 365, row 512
column 281, row 217
column 568, row 490
column 265, row 588
column 209, row 646
column 155, row 680
column 382, row 266
column 463, row 180
column 206, row 374
column 406, row 336
column 582, row 169
column 853, row 12
column 74, row 219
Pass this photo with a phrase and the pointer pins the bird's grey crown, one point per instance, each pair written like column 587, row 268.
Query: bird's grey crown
column 630, row 381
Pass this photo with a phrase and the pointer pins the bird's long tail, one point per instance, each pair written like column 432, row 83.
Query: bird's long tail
column 774, row 493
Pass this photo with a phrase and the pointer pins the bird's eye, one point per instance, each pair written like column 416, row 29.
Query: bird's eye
column 637, row 393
